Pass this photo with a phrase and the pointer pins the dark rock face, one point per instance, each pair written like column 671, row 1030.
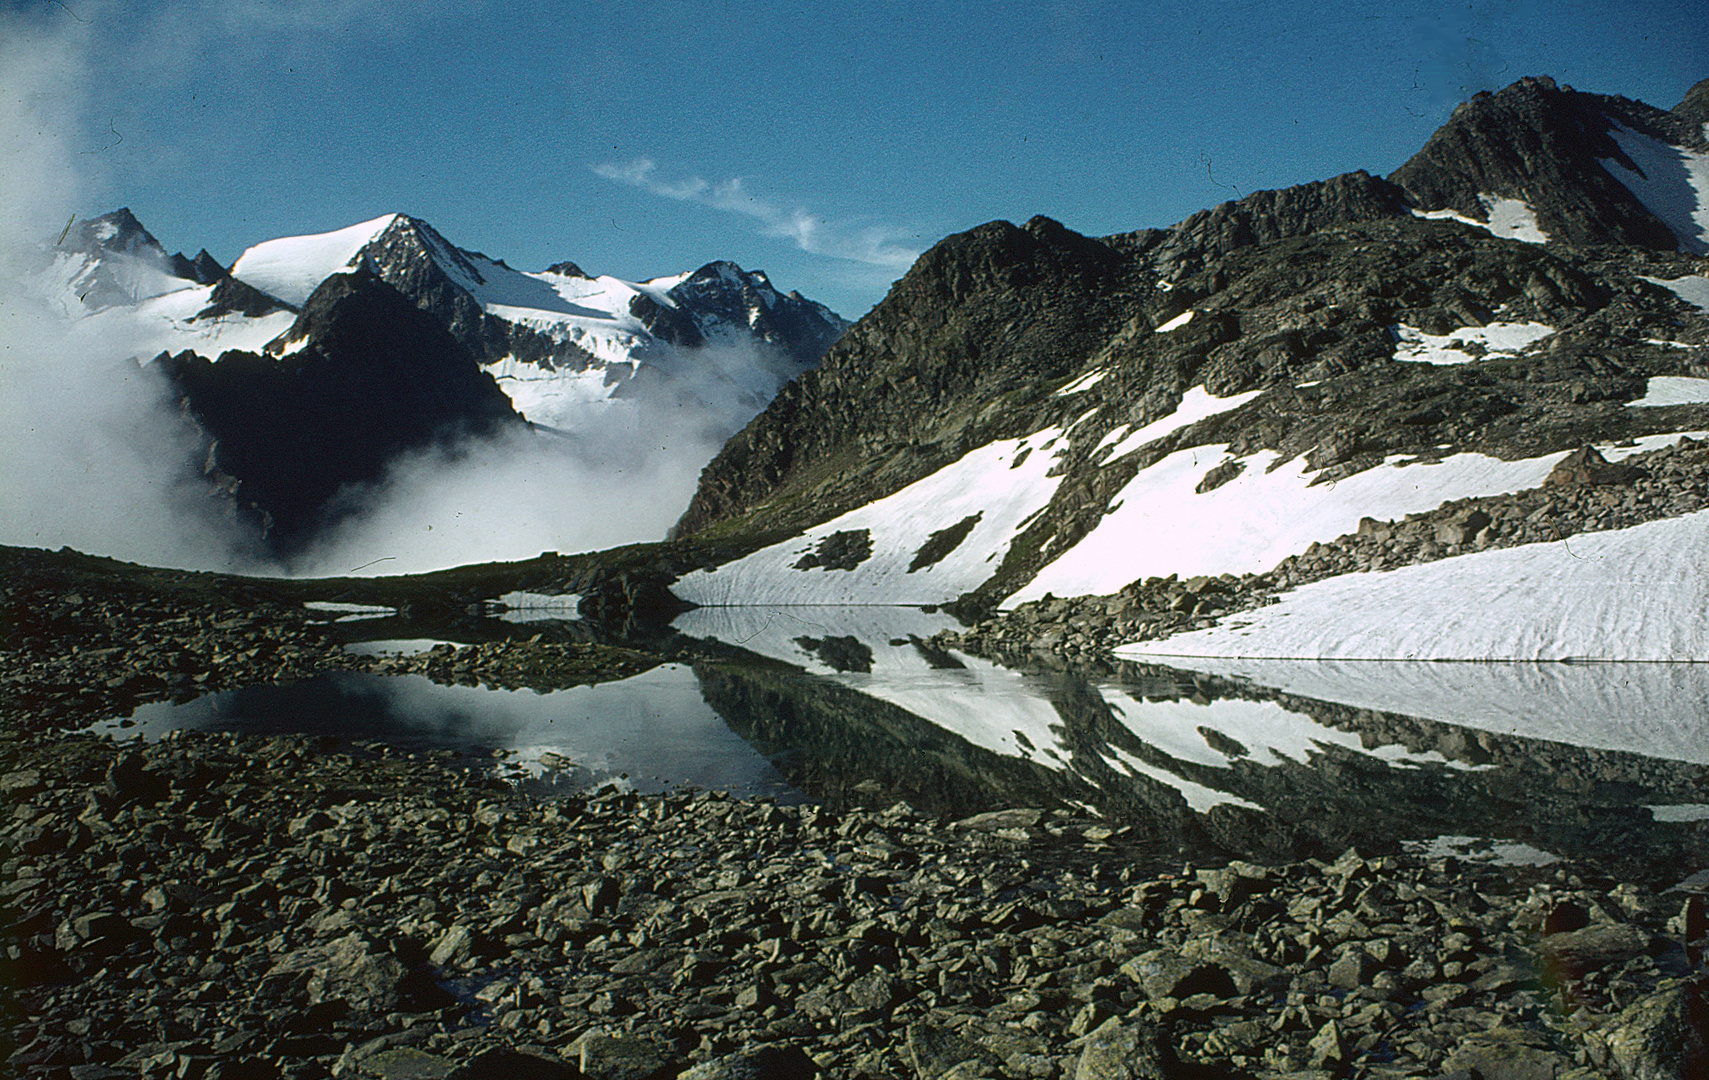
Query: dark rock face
column 204, row 269
column 376, row 377
column 1300, row 294
column 1693, row 109
column 980, row 326
column 117, row 233
column 411, row 257
column 1265, row 216
column 1540, row 142
column 233, row 297
column 721, row 295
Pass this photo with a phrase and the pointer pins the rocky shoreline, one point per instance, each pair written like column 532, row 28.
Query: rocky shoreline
column 1584, row 493
column 216, row 906
column 81, row 645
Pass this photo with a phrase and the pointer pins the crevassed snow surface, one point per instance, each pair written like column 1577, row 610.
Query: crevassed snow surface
column 1657, row 710
column 167, row 323
column 1627, row 594
column 1674, row 390
column 1002, row 484
column 1497, row 339
column 1196, row 404
column 1693, row 289
column 555, row 398
column 1672, row 183
column 997, row 708
column 291, row 266
column 1509, row 219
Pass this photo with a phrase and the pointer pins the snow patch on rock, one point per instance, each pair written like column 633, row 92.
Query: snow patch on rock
column 999, row 486
column 1671, row 181
column 1673, row 390
column 1468, row 343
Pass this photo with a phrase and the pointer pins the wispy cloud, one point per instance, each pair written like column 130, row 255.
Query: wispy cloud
column 876, row 245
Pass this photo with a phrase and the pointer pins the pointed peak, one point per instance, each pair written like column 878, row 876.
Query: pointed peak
column 117, row 231
column 568, row 269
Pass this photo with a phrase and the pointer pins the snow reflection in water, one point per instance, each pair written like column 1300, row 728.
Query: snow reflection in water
column 1441, row 747
column 1657, row 710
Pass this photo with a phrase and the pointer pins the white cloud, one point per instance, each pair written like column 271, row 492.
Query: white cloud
column 876, row 245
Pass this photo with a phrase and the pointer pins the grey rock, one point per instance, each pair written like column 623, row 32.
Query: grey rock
column 756, row 1063
column 1128, row 1050
column 1662, row 1036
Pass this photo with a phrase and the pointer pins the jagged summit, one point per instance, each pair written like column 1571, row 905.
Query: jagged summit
column 1550, row 148
column 204, row 269
column 118, row 232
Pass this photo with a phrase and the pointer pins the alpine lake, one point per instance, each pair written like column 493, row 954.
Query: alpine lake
column 1516, row 763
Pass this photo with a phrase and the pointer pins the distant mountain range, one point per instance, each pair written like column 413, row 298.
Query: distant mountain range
column 315, row 360
column 1032, row 414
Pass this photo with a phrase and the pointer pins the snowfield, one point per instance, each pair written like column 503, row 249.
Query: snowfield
column 1626, row 594
column 990, row 493
column 1672, row 183
column 290, row 267
column 1693, row 289
column 1196, row 404
column 1673, row 390
column 1498, row 339
column 1159, row 525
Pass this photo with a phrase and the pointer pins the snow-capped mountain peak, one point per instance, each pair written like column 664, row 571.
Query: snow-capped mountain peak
column 292, row 266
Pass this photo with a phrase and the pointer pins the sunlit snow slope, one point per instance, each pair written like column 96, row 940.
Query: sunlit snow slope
column 973, row 509
column 1627, row 594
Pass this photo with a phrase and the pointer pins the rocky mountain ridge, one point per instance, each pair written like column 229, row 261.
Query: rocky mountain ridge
column 1276, row 347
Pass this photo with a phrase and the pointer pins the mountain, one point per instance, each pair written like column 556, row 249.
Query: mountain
column 1252, row 394
column 287, row 361
column 367, row 376
column 560, row 339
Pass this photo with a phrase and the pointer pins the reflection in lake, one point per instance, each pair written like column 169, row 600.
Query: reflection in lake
column 1269, row 760
column 650, row 732
column 1659, row 710
column 1516, row 762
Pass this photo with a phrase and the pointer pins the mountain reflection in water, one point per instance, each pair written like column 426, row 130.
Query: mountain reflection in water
column 1270, row 760
column 1277, row 760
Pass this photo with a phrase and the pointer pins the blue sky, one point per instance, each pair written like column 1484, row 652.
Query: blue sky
column 826, row 145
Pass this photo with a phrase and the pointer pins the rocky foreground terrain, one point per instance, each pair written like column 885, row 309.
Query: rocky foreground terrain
column 215, row 906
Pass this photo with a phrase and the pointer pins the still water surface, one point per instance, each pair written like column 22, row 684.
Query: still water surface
column 1523, row 762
